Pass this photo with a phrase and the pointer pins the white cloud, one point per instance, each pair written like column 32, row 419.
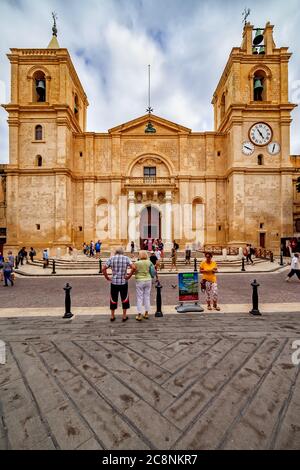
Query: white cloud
column 111, row 43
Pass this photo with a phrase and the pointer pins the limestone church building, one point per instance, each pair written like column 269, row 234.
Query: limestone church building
column 149, row 177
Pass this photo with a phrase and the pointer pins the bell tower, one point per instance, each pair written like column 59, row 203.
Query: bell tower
column 251, row 106
column 47, row 108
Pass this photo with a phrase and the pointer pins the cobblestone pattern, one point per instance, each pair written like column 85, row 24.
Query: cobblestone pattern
column 179, row 382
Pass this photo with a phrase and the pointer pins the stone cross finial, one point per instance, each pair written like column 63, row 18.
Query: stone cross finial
column 54, row 28
column 245, row 15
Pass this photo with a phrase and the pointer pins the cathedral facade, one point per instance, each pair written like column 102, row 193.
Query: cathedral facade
column 150, row 178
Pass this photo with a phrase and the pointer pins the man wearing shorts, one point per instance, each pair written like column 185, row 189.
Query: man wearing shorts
column 119, row 264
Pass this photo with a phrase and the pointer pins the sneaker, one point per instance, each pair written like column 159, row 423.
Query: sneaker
column 138, row 317
column 146, row 316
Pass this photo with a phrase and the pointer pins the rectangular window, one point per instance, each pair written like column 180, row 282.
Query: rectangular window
column 149, row 171
column 38, row 227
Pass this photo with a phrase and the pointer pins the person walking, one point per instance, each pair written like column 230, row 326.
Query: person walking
column 119, row 281
column 11, row 259
column 249, row 252
column 173, row 259
column 295, row 267
column 143, row 277
column 21, row 256
column 7, row 273
column 132, row 248
column 32, row 253
column 208, row 269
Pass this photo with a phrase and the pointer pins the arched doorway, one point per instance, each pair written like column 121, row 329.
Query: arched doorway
column 150, row 225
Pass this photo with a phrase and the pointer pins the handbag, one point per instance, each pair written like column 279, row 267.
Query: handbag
column 152, row 271
column 203, row 285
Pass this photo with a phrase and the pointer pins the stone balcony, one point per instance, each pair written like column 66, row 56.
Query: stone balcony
column 150, row 182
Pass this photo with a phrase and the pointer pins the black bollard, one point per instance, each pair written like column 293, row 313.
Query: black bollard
column 53, row 267
column 243, row 265
column 255, row 311
column 100, row 266
column 68, row 313
column 272, row 257
column 281, row 258
column 158, row 312
column 17, row 262
column 195, row 265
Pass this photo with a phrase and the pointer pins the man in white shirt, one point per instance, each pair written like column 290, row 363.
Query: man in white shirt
column 295, row 267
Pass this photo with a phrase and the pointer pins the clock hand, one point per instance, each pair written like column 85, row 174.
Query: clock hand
column 273, row 148
column 248, row 148
column 260, row 133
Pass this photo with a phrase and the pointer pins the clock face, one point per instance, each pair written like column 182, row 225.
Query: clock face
column 247, row 148
column 274, row 148
column 260, row 134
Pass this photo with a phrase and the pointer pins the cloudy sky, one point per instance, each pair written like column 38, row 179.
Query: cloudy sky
column 111, row 42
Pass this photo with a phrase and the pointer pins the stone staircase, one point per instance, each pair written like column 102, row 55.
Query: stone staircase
column 82, row 262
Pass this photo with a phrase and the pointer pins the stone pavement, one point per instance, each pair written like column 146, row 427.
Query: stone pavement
column 192, row 381
column 94, row 291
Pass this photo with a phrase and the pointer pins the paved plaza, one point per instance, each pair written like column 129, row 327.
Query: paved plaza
column 193, row 381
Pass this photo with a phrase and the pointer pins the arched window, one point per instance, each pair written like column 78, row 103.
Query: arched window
column 76, row 107
column 38, row 132
column 260, row 160
column 39, row 87
column 39, row 160
column 259, row 86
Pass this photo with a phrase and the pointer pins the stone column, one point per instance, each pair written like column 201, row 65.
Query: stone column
column 167, row 222
column 131, row 218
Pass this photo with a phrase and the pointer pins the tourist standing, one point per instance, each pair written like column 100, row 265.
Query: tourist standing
column 173, row 259
column 208, row 269
column 21, row 256
column 11, row 259
column 143, row 279
column 153, row 259
column 98, row 248
column 175, row 245
column 92, row 249
column 132, row 248
column 119, row 264
column 295, row 267
column 32, row 253
column 7, row 273
column 188, row 255
column 45, row 259
column 158, row 256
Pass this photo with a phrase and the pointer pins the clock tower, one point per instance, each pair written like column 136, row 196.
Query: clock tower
column 251, row 106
